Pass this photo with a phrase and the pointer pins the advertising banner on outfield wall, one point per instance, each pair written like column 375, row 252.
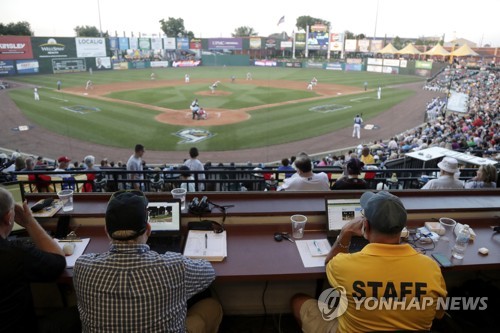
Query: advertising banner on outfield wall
column 353, row 67
column 255, row 43
column 373, row 68
column 423, row 64
column 7, row 67
column 336, row 66
column 27, row 66
column 90, row 47
column 195, row 44
column 113, row 43
column 350, row 45
column 183, row 43
column 336, row 41
column 134, row 43
column 364, row 45
column 225, row 44
column 52, row 47
column 375, row 61
column 144, row 44
column 300, row 41
column 265, row 63
column 376, row 45
column 391, row 62
column 156, row 44
column 390, row 70
column 123, row 43
column 15, row 47
column 169, row 43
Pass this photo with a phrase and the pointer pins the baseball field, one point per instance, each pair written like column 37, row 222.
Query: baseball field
column 126, row 107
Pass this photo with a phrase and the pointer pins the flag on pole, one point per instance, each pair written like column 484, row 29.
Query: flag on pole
column 282, row 20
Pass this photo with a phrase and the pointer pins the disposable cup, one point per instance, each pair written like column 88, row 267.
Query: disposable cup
column 298, row 225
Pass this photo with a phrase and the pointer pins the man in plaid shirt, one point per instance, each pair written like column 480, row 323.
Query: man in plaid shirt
column 132, row 289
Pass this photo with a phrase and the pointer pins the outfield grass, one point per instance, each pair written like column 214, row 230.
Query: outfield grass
column 124, row 125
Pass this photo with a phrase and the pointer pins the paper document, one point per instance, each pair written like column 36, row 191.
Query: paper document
column 206, row 244
column 310, row 250
column 79, row 249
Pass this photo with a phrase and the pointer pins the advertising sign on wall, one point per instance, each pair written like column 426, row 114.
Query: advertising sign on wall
column 68, row 65
column 350, row 45
column 46, row 48
column 225, row 43
column 255, row 43
column 375, row 61
column 156, row 44
column 123, row 43
column 90, row 47
column 376, row 45
column 144, row 44
column 300, row 41
column 336, row 41
column 423, row 64
column 169, row 43
column 15, row 47
column 364, row 45
column 113, row 43
column 391, row 62
column 183, row 43
column 195, row 44
column 7, row 67
column 27, row 66
column 134, row 43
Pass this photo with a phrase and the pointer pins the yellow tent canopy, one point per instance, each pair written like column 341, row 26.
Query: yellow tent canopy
column 409, row 49
column 388, row 49
column 437, row 50
column 464, row 51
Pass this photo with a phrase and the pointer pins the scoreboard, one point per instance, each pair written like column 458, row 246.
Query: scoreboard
column 68, row 65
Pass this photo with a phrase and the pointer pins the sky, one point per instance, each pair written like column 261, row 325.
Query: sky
column 476, row 20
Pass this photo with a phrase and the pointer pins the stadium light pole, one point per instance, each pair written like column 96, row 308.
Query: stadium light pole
column 99, row 11
column 376, row 19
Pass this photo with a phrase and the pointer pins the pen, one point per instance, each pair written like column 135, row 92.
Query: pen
column 317, row 247
column 206, row 241
column 69, row 240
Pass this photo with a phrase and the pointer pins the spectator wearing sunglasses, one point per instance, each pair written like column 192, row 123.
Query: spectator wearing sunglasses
column 133, row 289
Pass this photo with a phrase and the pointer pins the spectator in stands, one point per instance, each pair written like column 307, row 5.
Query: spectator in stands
column 384, row 270
column 486, row 177
column 29, row 164
column 151, row 290
column 366, row 156
column 305, row 179
column 134, row 163
column 23, row 265
column 63, row 164
column 286, row 167
column 89, row 162
column 39, row 161
column 351, row 181
column 184, row 174
column 446, row 180
column 194, row 164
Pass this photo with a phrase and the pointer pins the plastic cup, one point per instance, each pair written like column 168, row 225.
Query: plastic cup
column 180, row 193
column 66, row 197
column 449, row 226
column 298, row 225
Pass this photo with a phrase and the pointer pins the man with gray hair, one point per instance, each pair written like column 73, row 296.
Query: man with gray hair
column 23, row 264
column 448, row 168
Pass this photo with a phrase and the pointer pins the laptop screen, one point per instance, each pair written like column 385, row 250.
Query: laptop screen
column 341, row 211
column 165, row 216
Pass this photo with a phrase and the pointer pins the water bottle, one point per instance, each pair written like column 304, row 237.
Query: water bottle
column 461, row 243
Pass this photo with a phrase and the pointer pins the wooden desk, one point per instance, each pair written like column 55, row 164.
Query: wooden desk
column 254, row 255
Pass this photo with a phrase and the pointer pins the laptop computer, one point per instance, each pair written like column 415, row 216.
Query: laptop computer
column 165, row 220
column 338, row 213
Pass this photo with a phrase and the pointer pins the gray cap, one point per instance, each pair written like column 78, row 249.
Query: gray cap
column 385, row 212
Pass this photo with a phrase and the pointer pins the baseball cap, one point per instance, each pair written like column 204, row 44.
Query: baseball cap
column 63, row 159
column 127, row 210
column 385, row 212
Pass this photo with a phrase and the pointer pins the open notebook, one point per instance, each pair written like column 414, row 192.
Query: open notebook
column 206, row 244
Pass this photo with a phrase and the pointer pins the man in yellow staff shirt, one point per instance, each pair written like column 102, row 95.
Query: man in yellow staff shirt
column 387, row 285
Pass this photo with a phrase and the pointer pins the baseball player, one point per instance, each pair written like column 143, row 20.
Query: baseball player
column 249, row 76
column 310, row 86
column 153, row 76
column 314, row 81
column 195, row 107
column 357, row 126
column 186, row 78
column 89, row 85
column 213, row 87
column 202, row 114
column 379, row 92
column 36, row 95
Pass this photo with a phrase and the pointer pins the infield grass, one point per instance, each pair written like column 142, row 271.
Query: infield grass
column 122, row 125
